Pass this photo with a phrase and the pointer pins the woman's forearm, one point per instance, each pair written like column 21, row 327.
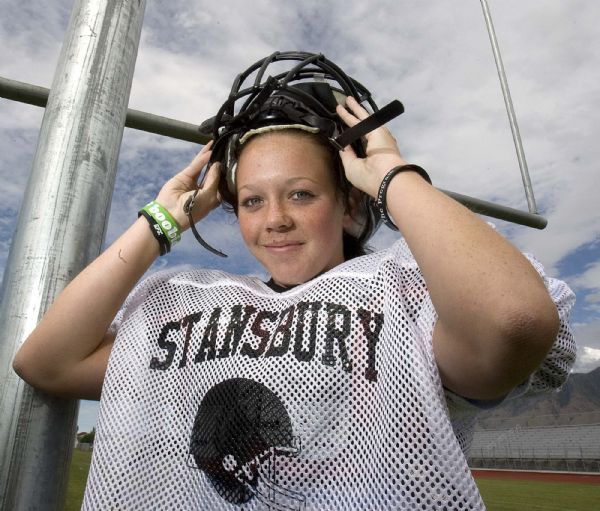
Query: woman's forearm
column 474, row 275
column 496, row 320
column 68, row 352
column 75, row 326
column 495, row 315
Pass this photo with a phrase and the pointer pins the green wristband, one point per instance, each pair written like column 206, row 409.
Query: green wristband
column 163, row 218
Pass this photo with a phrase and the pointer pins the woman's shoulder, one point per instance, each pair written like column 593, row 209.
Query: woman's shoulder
column 166, row 285
column 176, row 279
column 200, row 277
column 397, row 254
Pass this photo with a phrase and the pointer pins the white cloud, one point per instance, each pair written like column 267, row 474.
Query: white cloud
column 587, row 285
column 589, row 279
column 587, row 337
column 588, row 359
column 31, row 35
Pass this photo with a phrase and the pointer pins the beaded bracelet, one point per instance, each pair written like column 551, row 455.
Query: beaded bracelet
column 163, row 226
column 383, row 187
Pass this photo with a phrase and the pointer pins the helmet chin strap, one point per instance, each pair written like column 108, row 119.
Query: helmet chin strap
column 374, row 121
column 187, row 208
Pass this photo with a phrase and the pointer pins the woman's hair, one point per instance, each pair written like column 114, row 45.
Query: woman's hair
column 353, row 246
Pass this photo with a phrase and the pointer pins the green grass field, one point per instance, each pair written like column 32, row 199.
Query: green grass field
column 503, row 495
column 80, row 465
column 498, row 495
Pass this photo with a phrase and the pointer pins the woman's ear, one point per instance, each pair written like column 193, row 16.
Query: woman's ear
column 352, row 218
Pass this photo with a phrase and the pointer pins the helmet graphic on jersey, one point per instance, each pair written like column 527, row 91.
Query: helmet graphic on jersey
column 240, row 431
column 301, row 91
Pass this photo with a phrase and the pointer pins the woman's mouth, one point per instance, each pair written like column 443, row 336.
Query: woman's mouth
column 283, row 246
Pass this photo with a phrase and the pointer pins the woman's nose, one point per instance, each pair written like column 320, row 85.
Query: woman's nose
column 278, row 218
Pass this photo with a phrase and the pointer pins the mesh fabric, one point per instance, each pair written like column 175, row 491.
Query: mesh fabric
column 222, row 393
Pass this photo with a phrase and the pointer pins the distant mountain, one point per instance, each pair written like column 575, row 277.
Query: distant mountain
column 578, row 402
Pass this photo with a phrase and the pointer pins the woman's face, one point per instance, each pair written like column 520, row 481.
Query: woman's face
column 290, row 215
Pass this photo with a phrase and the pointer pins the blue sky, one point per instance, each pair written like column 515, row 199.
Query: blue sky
column 434, row 56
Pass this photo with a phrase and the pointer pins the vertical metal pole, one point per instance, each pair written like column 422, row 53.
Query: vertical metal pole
column 60, row 230
column 512, row 117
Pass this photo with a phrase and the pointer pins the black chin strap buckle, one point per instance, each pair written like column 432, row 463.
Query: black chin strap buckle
column 187, row 209
column 374, row 121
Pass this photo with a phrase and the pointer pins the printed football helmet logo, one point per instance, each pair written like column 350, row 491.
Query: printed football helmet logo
column 240, row 430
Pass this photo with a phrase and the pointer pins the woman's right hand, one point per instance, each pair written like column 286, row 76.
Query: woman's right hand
column 177, row 190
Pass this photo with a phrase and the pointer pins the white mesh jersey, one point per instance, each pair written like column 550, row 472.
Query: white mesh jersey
column 223, row 394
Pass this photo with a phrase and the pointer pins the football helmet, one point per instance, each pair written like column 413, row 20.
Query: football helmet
column 303, row 96
column 240, row 436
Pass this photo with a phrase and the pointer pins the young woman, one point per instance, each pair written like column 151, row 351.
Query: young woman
column 342, row 383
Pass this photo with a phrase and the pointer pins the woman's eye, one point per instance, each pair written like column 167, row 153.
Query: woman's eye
column 250, row 202
column 302, row 195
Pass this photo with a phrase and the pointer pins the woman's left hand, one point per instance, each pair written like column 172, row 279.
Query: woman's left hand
column 382, row 151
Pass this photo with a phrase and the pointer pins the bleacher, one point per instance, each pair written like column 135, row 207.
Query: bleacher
column 555, row 448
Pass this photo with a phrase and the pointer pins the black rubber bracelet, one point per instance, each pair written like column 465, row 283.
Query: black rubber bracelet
column 163, row 242
column 383, row 187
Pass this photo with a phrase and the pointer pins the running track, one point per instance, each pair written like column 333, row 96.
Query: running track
column 549, row 477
